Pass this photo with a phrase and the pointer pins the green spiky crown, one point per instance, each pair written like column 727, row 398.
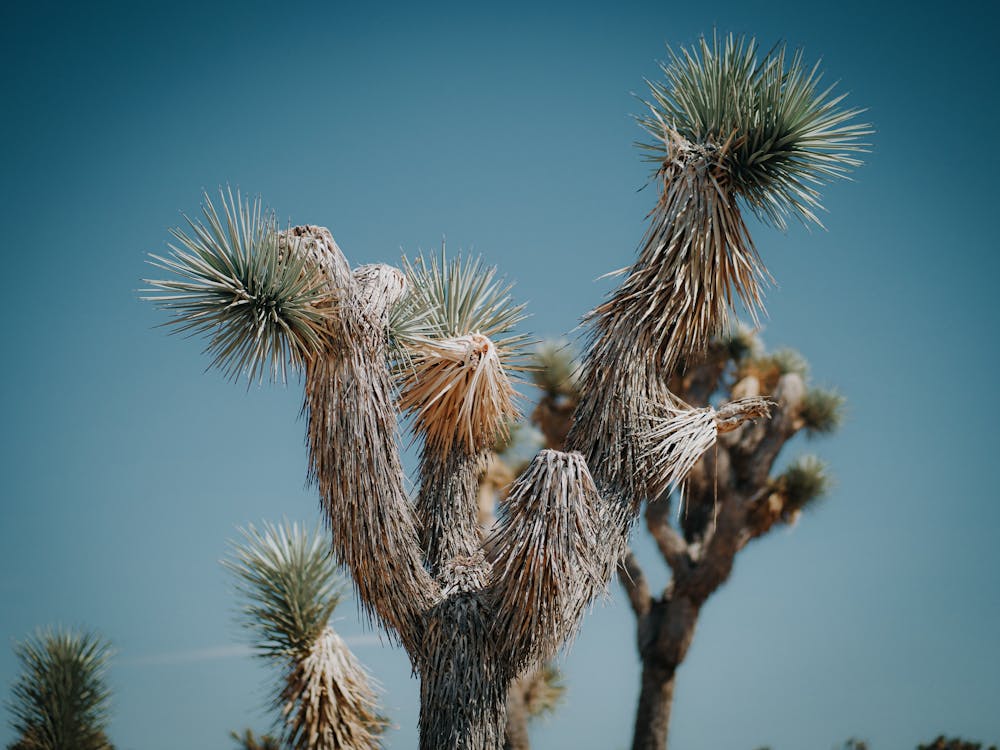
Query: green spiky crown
column 777, row 133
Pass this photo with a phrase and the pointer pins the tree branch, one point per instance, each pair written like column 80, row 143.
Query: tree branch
column 672, row 546
column 754, row 447
column 354, row 456
column 633, row 580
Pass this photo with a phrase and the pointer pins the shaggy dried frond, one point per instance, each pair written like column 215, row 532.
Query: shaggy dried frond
column 556, row 368
column 805, row 480
column 458, row 392
column 61, row 698
column 454, row 298
column 676, row 439
column 822, row 410
column 547, row 556
column 697, row 259
column 544, row 691
column 263, row 304
column 782, row 136
column 289, row 582
column 677, row 436
column 329, row 702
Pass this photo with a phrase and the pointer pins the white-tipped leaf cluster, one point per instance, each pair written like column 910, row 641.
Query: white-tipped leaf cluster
column 262, row 304
column 677, row 438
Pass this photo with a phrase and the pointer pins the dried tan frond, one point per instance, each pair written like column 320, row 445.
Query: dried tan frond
column 330, row 701
column 677, row 439
column 677, row 436
column 546, row 556
column 458, row 392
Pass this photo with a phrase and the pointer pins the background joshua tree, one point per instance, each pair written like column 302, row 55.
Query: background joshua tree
column 435, row 342
column 325, row 700
column 61, row 698
column 730, row 496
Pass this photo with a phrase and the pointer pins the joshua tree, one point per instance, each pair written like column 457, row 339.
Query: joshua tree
column 61, row 698
column 729, row 128
column 729, row 498
column 289, row 582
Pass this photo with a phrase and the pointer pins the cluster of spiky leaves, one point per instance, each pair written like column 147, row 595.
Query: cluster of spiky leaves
column 61, row 698
column 806, row 479
column 289, row 582
column 453, row 297
column 677, row 438
column 547, row 555
column 263, row 305
column 780, row 134
column 822, row 410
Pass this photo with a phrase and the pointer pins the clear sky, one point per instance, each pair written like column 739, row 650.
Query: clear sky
column 125, row 467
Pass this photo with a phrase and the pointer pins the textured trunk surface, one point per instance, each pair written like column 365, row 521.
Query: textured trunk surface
column 463, row 688
column 652, row 717
column 664, row 634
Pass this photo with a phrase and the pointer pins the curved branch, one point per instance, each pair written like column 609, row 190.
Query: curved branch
column 354, row 456
column 671, row 545
column 633, row 580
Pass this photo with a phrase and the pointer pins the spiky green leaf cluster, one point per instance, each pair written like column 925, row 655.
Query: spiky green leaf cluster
column 805, row 480
column 822, row 410
column 780, row 134
column 61, row 699
column 453, row 297
column 555, row 368
column 290, row 585
column 262, row 306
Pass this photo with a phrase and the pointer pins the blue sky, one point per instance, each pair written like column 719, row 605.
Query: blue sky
column 125, row 467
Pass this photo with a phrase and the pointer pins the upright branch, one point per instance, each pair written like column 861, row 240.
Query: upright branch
column 354, row 454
